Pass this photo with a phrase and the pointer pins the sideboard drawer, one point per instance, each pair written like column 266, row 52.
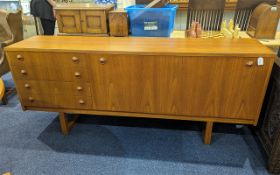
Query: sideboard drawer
column 51, row 73
column 54, row 87
column 44, row 59
column 65, row 101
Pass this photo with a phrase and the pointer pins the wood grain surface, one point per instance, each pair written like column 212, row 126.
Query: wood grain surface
column 144, row 46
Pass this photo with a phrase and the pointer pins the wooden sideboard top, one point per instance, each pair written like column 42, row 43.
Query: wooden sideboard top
column 82, row 6
column 145, row 46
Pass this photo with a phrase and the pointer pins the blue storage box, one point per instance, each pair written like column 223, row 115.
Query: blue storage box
column 152, row 22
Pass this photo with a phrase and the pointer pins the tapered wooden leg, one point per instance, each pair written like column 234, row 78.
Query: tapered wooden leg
column 208, row 133
column 66, row 125
column 63, row 123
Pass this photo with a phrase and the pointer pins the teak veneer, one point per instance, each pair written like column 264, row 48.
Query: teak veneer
column 208, row 80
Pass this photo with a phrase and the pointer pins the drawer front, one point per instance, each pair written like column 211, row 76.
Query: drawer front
column 62, row 101
column 51, row 94
column 53, row 87
column 51, row 73
column 31, row 59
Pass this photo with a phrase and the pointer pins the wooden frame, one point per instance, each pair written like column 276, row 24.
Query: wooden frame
column 65, row 124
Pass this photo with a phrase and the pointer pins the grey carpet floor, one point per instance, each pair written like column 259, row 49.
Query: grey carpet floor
column 31, row 144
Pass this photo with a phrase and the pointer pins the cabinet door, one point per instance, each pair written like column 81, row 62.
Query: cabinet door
column 193, row 86
column 69, row 21
column 94, row 21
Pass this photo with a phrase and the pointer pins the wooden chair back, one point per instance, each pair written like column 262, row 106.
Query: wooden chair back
column 209, row 13
column 244, row 9
column 16, row 25
column 11, row 31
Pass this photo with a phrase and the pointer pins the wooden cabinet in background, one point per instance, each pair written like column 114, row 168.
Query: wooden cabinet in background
column 214, row 80
column 118, row 23
column 69, row 21
column 77, row 18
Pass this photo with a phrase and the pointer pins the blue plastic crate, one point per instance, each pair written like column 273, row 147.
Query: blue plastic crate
column 151, row 22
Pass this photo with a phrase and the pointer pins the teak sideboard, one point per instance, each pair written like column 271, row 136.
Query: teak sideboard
column 208, row 80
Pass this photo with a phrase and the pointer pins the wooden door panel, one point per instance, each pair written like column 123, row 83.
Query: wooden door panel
column 94, row 21
column 69, row 21
column 124, row 83
column 194, row 86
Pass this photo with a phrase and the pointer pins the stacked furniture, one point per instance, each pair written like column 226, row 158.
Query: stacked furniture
column 269, row 125
column 11, row 31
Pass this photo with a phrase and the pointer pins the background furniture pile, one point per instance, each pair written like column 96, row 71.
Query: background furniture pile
column 11, row 31
column 269, row 125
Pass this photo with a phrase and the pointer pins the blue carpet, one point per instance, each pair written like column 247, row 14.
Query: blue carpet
column 31, row 144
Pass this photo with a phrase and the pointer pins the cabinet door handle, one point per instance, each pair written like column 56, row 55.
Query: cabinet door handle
column 23, row 72
column 102, row 60
column 19, row 57
column 77, row 74
column 250, row 63
column 79, row 88
column 75, row 59
column 81, row 102
column 31, row 99
column 27, row 85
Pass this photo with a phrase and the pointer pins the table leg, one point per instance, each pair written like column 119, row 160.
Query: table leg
column 66, row 125
column 208, row 133
column 63, row 123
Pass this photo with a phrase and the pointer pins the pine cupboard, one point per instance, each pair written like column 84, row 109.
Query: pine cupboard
column 208, row 80
column 79, row 18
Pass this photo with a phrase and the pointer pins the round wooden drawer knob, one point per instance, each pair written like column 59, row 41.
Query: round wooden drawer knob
column 75, row 59
column 77, row 74
column 81, row 102
column 23, row 72
column 102, row 60
column 250, row 63
column 27, row 85
column 79, row 88
column 31, row 99
column 19, row 57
